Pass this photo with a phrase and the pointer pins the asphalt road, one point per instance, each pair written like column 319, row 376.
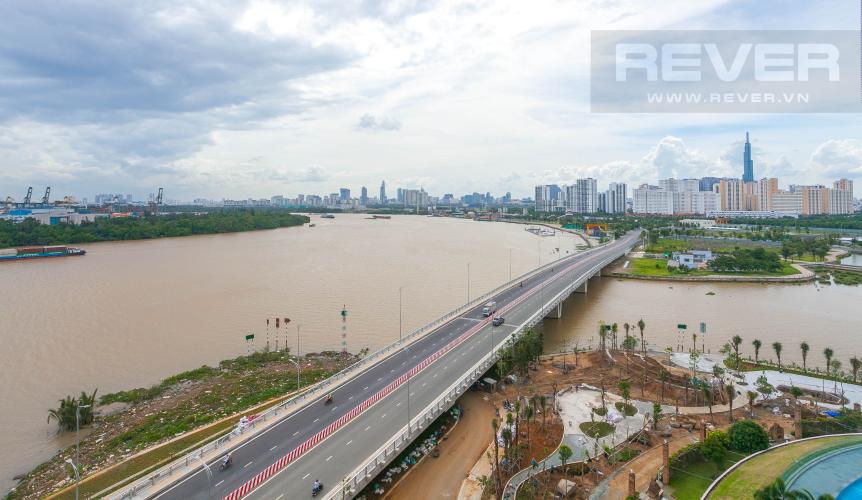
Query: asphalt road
column 340, row 454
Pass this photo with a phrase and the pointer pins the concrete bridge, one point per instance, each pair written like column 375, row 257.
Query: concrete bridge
column 381, row 404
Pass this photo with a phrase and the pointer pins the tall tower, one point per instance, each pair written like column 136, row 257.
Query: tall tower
column 383, row 193
column 747, row 163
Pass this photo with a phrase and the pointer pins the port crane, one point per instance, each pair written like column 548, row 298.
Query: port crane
column 157, row 202
column 29, row 195
column 47, row 196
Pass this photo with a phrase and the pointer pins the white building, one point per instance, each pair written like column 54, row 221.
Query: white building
column 652, row 200
column 582, row 196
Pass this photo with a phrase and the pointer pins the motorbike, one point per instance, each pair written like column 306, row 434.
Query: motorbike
column 225, row 464
column 328, row 400
column 316, row 489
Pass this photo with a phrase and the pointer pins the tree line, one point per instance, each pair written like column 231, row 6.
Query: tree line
column 31, row 232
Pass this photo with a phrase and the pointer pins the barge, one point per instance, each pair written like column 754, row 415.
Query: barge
column 39, row 252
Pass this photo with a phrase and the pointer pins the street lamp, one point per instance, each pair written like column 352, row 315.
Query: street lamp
column 297, row 371
column 77, row 476
column 400, row 312
column 209, row 476
column 468, row 282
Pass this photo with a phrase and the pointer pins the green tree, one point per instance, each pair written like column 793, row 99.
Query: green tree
column 757, row 344
column 641, row 327
column 730, row 390
column 776, row 346
column 855, row 364
column 752, row 396
column 736, row 340
column 714, row 448
column 656, row 414
column 747, row 436
column 565, row 454
column 804, row 347
column 707, row 396
column 664, row 377
column 495, row 426
column 828, row 353
column 625, row 390
column 796, row 392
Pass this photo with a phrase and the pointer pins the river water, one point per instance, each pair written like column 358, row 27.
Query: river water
column 131, row 313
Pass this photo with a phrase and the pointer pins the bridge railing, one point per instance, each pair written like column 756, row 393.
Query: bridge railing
column 377, row 461
column 194, row 459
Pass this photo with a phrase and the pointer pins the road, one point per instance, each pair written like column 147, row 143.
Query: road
column 351, row 442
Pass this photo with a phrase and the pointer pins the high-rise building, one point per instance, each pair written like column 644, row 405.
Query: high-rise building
column 730, row 194
column 549, row 198
column 652, row 200
column 616, row 198
column 582, row 196
column 764, row 191
column 344, row 194
column 747, row 162
column 383, row 192
column 679, row 185
column 363, row 197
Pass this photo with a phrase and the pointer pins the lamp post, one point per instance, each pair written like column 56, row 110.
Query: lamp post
column 297, row 356
column 510, row 264
column 209, row 476
column 77, row 476
column 400, row 312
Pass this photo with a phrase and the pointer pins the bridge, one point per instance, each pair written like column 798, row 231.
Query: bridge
column 380, row 405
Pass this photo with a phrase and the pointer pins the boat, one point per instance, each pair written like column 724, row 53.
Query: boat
column 327, row 216
column 38, row 252
column 311, row 225
column 381, row 216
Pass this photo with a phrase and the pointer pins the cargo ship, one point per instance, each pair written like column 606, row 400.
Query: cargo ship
column 327, row 216
column 38, row 252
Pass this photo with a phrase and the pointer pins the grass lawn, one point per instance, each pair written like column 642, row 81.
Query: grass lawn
column 626, row 409
column 763, row 469
column 690, row 482
column 668, row 245
column 658, row 267
column 596, row 429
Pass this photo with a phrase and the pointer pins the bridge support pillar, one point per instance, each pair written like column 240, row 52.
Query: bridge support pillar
column 556, row 312
column 583, row 287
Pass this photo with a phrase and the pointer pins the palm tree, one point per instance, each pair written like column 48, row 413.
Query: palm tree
column 664, row 376
column 827, row 353
column 528, row 414
column 496, row 425
column 855, row 364
column 756, row 343
column 614, row 330
column 736, row 340
column 506, row 434
column 543, row 405
column 656, row 414
column 751, row 397
column 731, row 393
column 776, row 346
column 602, row 334
column 64, row 414
column 641, row 326
column 627, row 327
column 804, row 347
column 707, row 396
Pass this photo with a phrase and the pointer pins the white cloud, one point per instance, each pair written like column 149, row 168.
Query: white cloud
column 838, row 158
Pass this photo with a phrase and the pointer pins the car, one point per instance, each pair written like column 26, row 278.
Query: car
column 499, row 320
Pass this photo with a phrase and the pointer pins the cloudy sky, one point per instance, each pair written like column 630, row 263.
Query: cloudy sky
column 254, row 98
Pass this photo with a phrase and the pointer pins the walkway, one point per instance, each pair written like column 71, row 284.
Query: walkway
column 441, row 477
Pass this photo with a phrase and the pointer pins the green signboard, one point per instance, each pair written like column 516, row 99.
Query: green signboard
column 249, row 337
column 682, row 326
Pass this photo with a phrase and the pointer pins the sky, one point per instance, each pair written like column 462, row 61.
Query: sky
column 237, row 99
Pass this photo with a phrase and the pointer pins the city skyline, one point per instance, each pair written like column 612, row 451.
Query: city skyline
column 355, row 94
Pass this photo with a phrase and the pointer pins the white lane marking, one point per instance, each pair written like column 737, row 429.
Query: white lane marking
column 384, row 416
column 329, row 458
column 398, row 404
column 218, row 483
column 348, row 443
column 246, row 465
column 274, row 447
column 367, row 428
column 316, row 419
column 392, row 370
column 279, row 497
column 414, row 356
column 295, row 433
column 305, row 476
column 366, row 388
column 424, row 384
column 351, row 397
column 434, row 375
column 381, row 378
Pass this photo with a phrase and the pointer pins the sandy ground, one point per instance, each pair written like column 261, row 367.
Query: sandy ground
column 441, row 477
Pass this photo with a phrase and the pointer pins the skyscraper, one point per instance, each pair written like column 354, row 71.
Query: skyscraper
column 344, row 194
column 363, row 198
column 383, row 192
column 747, row 163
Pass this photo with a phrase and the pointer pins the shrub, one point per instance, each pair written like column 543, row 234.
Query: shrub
column 714, row 447
column 748, row 437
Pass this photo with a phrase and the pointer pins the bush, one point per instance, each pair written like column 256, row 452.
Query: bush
column 714, row 447
column 626, row 409
column 748, row 437
column 600, row 411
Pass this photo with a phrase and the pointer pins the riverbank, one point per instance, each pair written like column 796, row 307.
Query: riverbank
column 140, row 429
column 30, row 232
column 656, row 269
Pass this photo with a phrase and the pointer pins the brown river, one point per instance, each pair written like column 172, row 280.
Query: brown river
column 131, row 313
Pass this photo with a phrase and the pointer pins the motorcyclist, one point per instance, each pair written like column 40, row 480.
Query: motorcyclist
column 225, row 461
column 522, row 284
column 315, row 486
column 329, row 398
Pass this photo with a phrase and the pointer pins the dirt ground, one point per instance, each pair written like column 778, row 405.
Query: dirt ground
column 441, row 477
